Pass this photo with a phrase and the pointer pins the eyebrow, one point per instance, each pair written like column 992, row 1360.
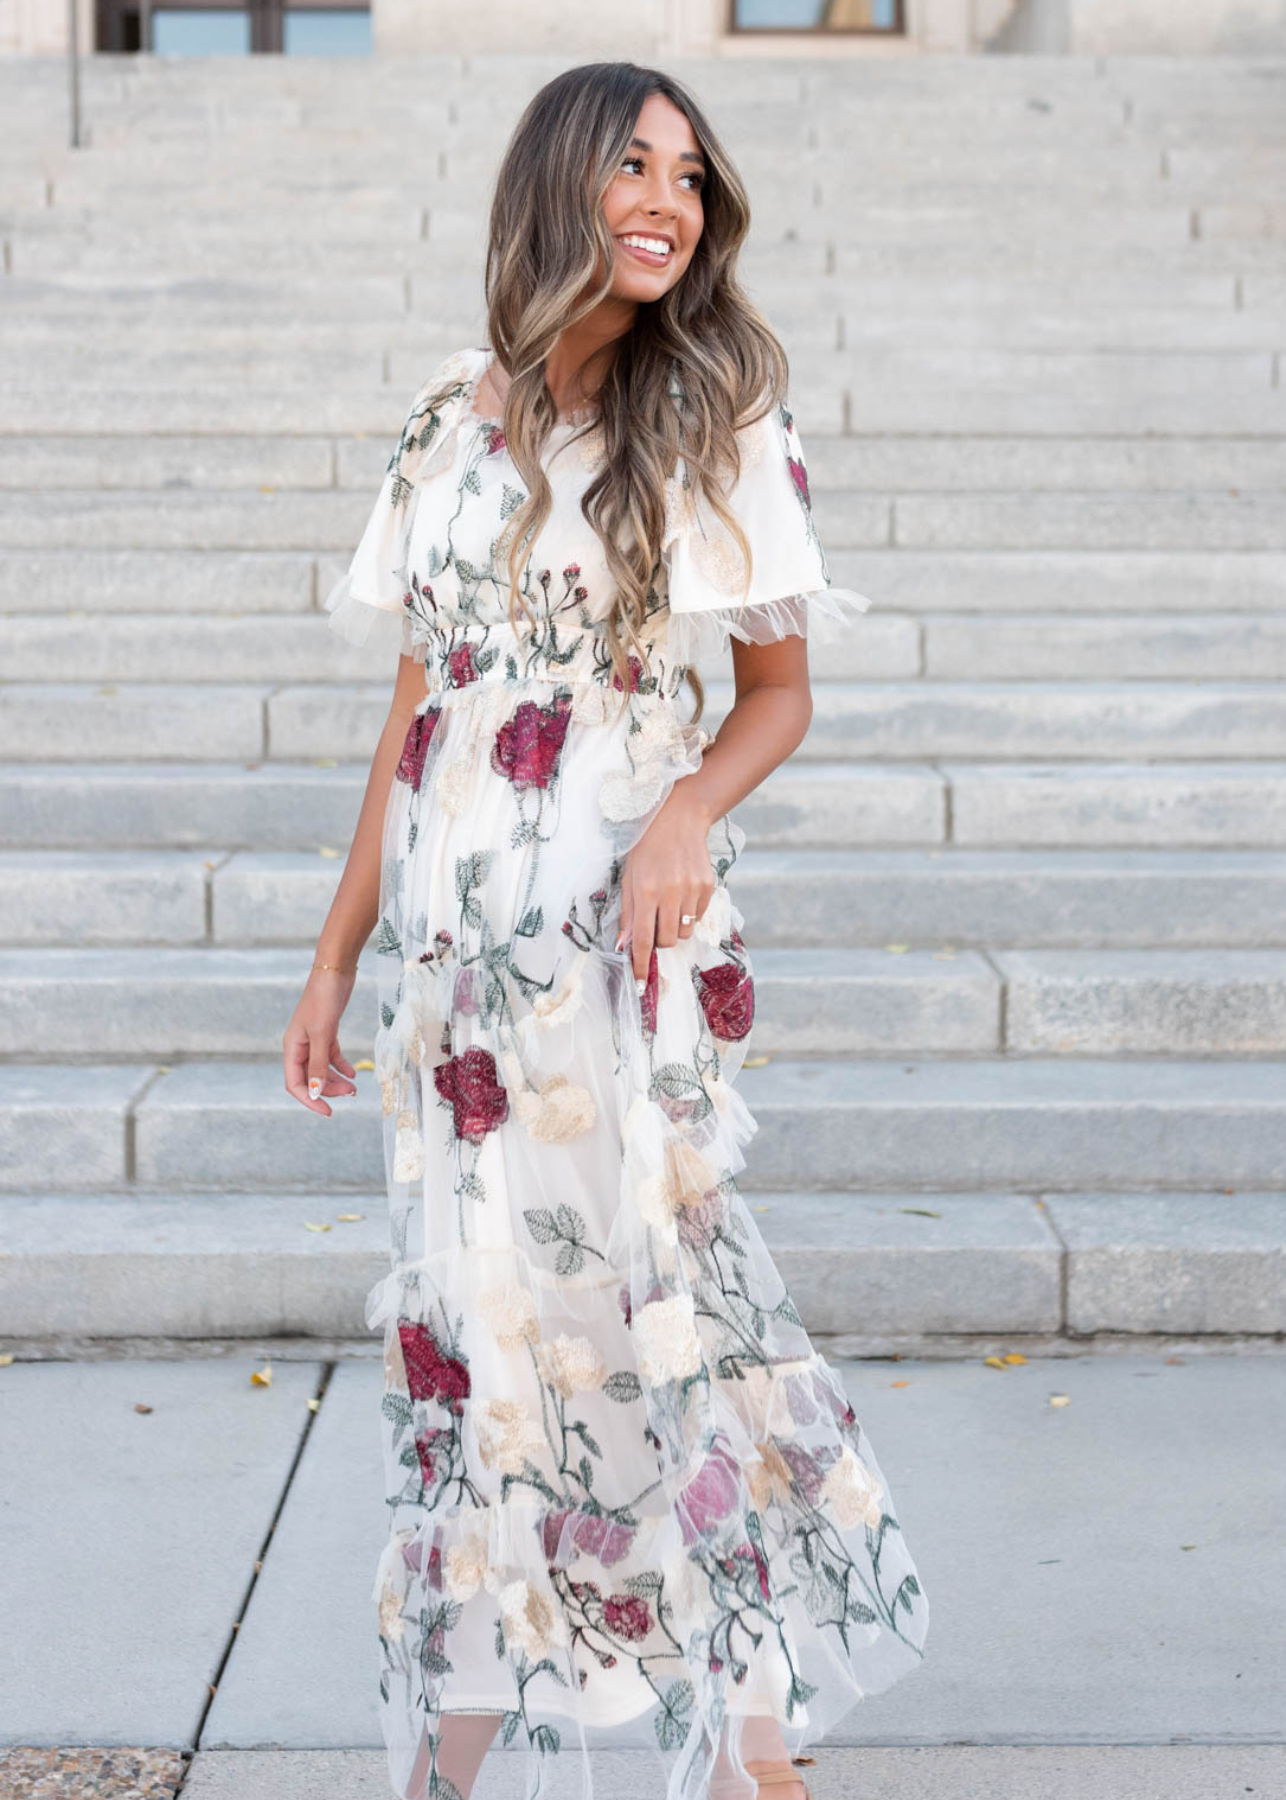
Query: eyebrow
column 684, row 155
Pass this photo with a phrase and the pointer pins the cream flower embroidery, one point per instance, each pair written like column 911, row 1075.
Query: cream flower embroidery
column 507, row 1436
column 770, row 1478
column 558, row 1008
column 656, row 734
column 465, row 1567
column 392, row 1624
column 452, row 786
column 394, row 1363
column 530, row 1620
column 712, row 926
column 589, row 707
column 652, row 1197
column 389, row 1099
column 852, row 1492
column 678, row 510
column 665, row 1333
column 559, row 1111
column 716, row 554
column 408, row 1147
column 571, row 1365
column 510, row 1311
column 689, row 1177
column 624, row 797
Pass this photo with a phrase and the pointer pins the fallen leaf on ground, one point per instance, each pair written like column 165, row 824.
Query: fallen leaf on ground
column 993, row 1362
column 348, row 1218
column 314, row 1404
column 1059, row 1399
column 903, row 1383
column 309, row 1226
column 325, row 850
column 365, row 1063
column 261, row 1377
column 925, row 1212
column 756, row 1062
column 1013, row 1356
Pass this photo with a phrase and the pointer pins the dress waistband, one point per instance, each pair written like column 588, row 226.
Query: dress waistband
column 463, row 655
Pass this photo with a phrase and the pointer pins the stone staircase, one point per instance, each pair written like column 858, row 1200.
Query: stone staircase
column 1018, row 904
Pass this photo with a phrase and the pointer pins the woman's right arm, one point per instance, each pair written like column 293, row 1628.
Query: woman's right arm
column 314, row 1065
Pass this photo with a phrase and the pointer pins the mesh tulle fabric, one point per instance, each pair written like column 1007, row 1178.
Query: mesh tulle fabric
column 627, row 1499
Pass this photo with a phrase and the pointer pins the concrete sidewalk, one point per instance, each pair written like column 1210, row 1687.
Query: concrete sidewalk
column 1100, row 1576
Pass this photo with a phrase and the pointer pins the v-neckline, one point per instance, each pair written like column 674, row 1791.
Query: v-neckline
column 479, row 419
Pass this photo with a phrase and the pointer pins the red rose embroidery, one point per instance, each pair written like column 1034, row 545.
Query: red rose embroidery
column 527, row 747
column 430, row 1373
column 416, row 748
column 711, row 1495
column 627, row 1617
column 799, row 475
column 461, row 665
column 636, row 675
column 427, row 1444
column 495, row 441
column 478, row 1102
column 748, row 1551
column 727, row 995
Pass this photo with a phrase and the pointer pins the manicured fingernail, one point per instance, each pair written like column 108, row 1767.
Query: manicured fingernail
column 314, row 1087
column 640, row 982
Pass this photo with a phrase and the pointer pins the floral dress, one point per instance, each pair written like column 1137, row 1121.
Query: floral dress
column 623, row 1488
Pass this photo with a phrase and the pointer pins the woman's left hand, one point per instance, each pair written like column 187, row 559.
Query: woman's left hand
column 668, row 873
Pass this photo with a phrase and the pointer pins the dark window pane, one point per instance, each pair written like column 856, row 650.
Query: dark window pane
column 816, row 15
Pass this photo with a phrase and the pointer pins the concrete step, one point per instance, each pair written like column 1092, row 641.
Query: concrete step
column 937, row 898
column 1067, row 582
column 800, row 805
column 949, row 1125
column 147, row 647
column 332, row 519
column 1188, row 466
column 186, row 1265
column 896, row 720
column 180, row 1003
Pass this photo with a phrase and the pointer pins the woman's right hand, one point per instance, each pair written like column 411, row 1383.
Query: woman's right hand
column 310, row 1045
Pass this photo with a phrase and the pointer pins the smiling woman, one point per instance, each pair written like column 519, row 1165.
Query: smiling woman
column 624, row 1490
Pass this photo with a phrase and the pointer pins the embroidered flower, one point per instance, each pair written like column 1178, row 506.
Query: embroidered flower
column 530, row 1619
column 651, row 992
column 559, row 1111
column 452, row 785
column 571, row 1366
column 636, row 675
column 478, row 1102
column 712, row 1494
column 510, row 1311
column 466, row 1567
column 622, row 796
column 665, row 1334
column 557, row 1008
column 507, row 1436
column 799, row 475
column 852, row 1492
column 408, row 1147
column 428, row 1443
column 394, row 1364
column 769, row 1478
column 392, row 1624
column 627, row 1616
column 727, row 996
column 527, row 747
column 430, row 1373
column 689, row 1177
column 410, row 766
column 462, row 666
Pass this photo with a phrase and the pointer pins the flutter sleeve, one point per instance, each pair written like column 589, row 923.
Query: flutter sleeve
column 790, row 591
column 374, row 597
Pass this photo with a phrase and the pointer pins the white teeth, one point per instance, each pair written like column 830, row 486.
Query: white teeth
column 658, row 246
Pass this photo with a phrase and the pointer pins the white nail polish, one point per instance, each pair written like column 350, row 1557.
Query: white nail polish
column 640, row 982
column 314, row 1087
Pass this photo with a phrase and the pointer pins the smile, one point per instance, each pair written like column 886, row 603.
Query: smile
column 654, row 251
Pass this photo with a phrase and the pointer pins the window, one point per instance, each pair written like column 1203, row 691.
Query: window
column 817, row 15
column 236, row 28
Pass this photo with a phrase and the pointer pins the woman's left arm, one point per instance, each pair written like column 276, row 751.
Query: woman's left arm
column 668, row 872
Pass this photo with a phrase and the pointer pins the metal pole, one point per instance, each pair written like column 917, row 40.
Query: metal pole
column 73, row 68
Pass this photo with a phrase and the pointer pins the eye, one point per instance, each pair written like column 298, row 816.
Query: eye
column 694, row 175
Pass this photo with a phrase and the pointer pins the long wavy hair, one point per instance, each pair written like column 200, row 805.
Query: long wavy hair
column 703, row 337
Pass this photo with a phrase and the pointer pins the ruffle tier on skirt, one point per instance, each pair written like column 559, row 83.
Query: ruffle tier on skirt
column 622, row 1485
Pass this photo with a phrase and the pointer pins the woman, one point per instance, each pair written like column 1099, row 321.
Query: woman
column 623, row 1488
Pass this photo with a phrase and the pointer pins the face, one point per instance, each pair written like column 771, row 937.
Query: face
column 655, row 196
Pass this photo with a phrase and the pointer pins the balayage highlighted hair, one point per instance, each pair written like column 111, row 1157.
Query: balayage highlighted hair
column 547, row 229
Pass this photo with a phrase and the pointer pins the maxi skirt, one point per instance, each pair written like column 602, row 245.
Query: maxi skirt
column 625, row 1494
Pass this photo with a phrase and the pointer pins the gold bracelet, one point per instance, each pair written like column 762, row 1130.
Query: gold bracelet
column 335, row 967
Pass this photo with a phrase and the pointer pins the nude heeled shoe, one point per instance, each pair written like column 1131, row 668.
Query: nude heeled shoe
column 768, row 1774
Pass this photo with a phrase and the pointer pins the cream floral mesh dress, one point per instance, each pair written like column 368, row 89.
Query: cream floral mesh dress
column 623, row 1489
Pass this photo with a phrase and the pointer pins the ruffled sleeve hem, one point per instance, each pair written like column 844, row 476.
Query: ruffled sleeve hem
column 823, row 616
column 360, row 621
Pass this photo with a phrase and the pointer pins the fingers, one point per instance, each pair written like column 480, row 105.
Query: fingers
column 307, row 1071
